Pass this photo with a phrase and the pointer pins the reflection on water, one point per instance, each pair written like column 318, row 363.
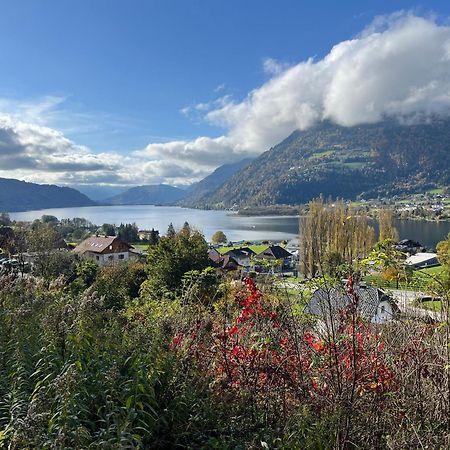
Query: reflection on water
column 236, row 227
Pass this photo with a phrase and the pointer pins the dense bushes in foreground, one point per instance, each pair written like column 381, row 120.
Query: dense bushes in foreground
column 245, row 371
column 129, row 357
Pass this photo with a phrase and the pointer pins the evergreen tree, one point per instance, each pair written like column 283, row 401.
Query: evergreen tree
column 154, row 237
column 108, row 229
column 170, row 231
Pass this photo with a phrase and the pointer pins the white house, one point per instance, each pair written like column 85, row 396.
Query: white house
column 105, row 249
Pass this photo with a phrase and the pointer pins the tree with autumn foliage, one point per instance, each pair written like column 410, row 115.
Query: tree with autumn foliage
column 331, row 235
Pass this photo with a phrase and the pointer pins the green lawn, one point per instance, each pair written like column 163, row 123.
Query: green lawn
column 354, row 165
column 256, row 248
column 431, row 305
column 436, row 191
column 436, row 270
column 420, row 279
column 140, row 245
column 321, row 154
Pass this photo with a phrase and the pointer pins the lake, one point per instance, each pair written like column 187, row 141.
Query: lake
column 236, row 228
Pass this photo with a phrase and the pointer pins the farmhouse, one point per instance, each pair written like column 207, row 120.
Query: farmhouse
column 373, row 304
column 105, row 249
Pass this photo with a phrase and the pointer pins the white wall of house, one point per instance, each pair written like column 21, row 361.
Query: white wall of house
column 243, row 261
column 108, row 258
column 384, row 313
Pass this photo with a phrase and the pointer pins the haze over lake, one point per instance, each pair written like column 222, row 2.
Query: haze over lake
column 235, row 227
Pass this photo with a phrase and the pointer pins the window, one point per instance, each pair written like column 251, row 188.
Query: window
column 121, row 256
column 97, row 258
column 111, row 257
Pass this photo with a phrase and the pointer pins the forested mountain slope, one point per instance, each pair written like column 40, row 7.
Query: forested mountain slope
column 201, row 190
column 367, row 161
column 18, row 195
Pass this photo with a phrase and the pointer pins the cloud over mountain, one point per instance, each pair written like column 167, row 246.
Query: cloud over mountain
column 398, row 67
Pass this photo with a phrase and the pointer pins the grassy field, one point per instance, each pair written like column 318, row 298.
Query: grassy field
column 431, row 305
column 420, row 279
column 354, row 165
column 140, row 245
column 436, row 191
column 256, row 248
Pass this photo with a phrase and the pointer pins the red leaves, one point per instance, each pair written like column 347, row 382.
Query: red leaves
column 176, row 341
column 260, row 354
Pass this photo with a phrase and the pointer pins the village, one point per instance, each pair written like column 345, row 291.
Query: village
column 382, row 298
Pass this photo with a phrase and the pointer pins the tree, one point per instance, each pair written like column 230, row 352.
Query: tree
column 153, row 237
column 386, row 224
column 5, row 220
column 46, row 243
column 170, row 231
column 6, row 238
column 442, row 284
column 219, row 238
column 128, row 232
column 170, row 259
column 108, row 229
column 443, row 251
column 331, row 235
column 46, row 218
column 119, row 283
column 186, row 228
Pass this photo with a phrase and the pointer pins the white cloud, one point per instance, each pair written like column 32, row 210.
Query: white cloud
column 273, row 67
column 202, row 152
column 397, row 67
column 402, row 70
column 40, row 154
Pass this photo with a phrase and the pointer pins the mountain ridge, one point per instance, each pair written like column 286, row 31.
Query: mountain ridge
column 17, row 195
column 151, row 194
column 200, row 190
column 364, row 161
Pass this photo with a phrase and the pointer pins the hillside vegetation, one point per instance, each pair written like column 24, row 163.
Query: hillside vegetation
column 364, row 161
column 198, row 193
column 18, row 195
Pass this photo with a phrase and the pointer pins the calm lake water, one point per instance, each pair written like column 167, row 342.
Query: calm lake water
column 236, row 227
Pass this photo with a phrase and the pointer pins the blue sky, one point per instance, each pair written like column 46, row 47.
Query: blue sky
column 115, row 77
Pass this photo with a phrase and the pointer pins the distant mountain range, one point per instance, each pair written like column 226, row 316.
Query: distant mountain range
column 366, row 161
column 98, row 193
column 18, row 195
column 158, row 194
column 199, row 192
column 163, row 194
